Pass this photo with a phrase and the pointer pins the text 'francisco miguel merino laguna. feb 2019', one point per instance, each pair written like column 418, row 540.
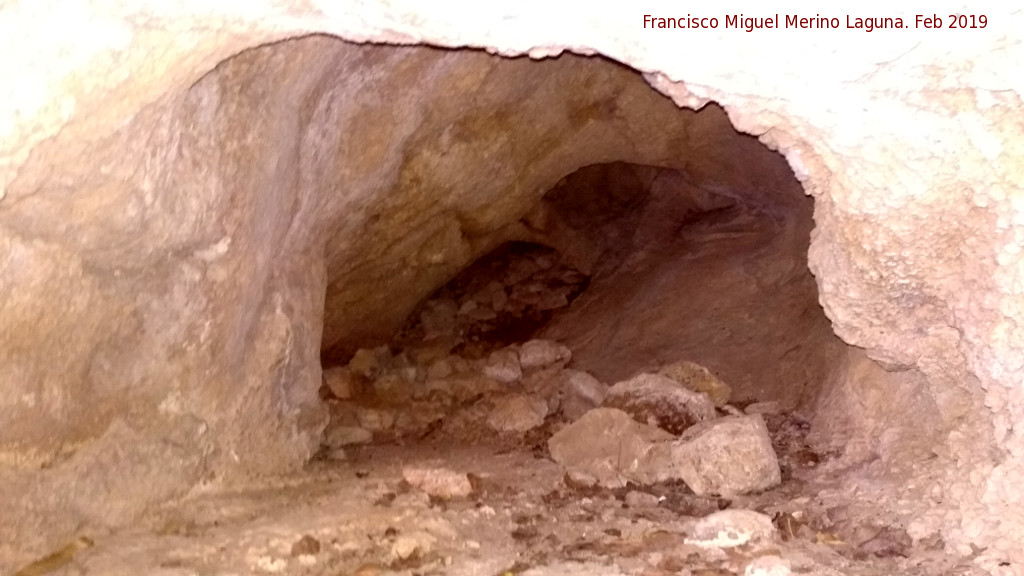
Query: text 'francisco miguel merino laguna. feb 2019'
column 816, row 22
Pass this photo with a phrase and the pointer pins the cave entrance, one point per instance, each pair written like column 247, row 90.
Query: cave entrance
column 634, row 267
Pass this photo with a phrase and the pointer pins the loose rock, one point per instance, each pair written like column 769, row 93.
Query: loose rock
column 660, row 401
column 438, row 482
column 730, row 528
column 542, row 353
column 729, row 456
column 340, row 381
column 609, row 446
column 370, row 363
column 375, row 420
column 518, row 413
column 699, row 379
column 637, row 499
column 581, row 392
column 503, row 366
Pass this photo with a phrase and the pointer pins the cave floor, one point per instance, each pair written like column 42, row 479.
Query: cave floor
column 360, row 517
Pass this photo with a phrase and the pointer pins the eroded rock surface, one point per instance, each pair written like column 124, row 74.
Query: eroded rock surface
column 660, row 401
column 163, row 234
column 728, row 456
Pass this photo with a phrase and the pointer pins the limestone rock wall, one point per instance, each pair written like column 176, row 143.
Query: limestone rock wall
column 164, row 243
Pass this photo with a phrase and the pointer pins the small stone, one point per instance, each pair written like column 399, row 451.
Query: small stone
column 518, row 413
column 340, row 382
column 307, row 545
column 699, row 379
column 413, row 545
column 608, row 445
column 375, row 420
column 438, row 482
column 370, row 363
column 730, row 456
column 542, row 353
column 730, row 528
column 637, row 499
column 660, row 401
column 503, row 366
column 337, row 436
column 581, row 392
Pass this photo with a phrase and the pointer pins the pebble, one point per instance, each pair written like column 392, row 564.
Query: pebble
column 439, row 482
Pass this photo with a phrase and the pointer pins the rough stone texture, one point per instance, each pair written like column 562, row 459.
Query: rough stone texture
column 439, row 482
column 542, row 353
column 607, row 447
column 518, row 413
column 162, row 234
column 660, row 401
column 731, row 528
column 340, row 381
column 699, row 379
column 728, row 456
column 503, row 366
column 580, row 392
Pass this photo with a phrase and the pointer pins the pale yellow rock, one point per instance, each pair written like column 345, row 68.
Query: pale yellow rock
column 699, row 379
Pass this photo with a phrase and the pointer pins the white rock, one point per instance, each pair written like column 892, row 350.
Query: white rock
column 438, row 481
column 730, row 528
column 728, row 456
column 660, row 401
column 542, row 353
column 503, row 366
column 518, row 413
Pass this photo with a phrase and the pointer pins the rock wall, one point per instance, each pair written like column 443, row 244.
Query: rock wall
column 166, row 242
